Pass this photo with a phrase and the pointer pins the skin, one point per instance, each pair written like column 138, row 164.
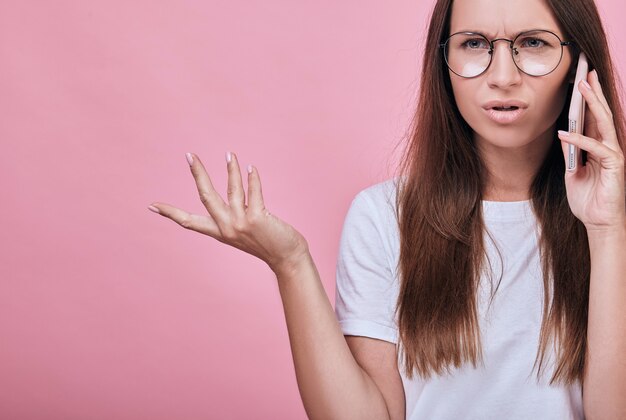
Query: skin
column 512, row 154
column 595, row 192
column 332, row 383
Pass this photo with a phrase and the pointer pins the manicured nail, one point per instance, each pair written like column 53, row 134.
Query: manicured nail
column 587, row 85
column 563, row 133
column 229, row 157
column 249, row 169
column 154, row 209
column 189, row 158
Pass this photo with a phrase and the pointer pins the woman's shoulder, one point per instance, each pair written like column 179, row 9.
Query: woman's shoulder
column 381, row 195
column 377, row 203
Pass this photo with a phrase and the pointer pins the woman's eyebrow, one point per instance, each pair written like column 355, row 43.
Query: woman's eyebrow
column 490, row 36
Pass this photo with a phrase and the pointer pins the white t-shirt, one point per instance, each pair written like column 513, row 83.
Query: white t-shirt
column 506, row 386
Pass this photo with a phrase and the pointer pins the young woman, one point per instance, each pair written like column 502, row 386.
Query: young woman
column 484, row 260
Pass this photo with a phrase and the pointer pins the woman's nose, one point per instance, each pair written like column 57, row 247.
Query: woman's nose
column 502, row 71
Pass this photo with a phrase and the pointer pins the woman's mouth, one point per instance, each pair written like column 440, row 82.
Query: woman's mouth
column 507, row 115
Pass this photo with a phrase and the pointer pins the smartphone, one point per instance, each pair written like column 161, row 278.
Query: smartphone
column 576, row 114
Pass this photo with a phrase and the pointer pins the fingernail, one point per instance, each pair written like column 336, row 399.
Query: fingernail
column 587, row 85
column 154, row 209
column 189, row 158
column 563, row 133
column 249, row 169
column 228, row 157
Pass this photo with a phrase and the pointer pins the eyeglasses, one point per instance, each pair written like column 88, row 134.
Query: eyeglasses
column 536, row 52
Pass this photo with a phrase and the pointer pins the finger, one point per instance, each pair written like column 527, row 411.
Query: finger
column 209, row 197
column 594, row 81
column 202, row 224
column 235, row 186
column 604, row 121
column 255, row 194
column 607, row 157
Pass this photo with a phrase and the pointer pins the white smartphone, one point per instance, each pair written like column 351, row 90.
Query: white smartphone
column 576, row 114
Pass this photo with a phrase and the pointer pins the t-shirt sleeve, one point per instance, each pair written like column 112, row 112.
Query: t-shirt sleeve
column 366, row 291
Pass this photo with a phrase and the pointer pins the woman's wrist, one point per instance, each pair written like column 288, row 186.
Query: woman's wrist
column 290, row 265
column 616, row 232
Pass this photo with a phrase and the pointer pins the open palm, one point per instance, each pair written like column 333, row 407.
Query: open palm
column 250, row 228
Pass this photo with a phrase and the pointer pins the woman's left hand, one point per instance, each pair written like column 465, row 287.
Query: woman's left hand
column 596, row 192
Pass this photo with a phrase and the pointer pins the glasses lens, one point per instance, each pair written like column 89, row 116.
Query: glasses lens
column 536, row 53
column 467, row 54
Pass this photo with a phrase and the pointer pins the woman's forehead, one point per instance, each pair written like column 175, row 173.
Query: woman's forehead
column 496, row 18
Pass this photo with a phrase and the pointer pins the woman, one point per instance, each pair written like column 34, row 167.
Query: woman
column 483, row 261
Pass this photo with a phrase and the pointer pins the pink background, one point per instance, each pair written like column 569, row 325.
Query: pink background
column 110, row 311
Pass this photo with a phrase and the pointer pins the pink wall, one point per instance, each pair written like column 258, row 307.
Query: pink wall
column 108, row 310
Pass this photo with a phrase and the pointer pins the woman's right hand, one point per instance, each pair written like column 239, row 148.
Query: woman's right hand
column 250, row 228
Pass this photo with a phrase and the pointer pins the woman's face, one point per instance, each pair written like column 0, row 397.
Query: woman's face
column 545, row 95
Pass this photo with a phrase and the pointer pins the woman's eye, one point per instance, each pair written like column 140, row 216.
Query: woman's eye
column 475, row 43
column 533, row 42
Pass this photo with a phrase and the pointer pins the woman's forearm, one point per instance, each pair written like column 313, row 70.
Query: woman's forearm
column 605, row 370
column 332, row 385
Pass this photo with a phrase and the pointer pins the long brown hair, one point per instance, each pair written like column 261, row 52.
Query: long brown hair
column 441, row 225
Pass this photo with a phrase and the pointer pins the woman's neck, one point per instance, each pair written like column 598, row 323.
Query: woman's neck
column 510, row 171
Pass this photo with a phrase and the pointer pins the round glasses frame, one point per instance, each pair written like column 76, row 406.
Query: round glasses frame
column 513, row 50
